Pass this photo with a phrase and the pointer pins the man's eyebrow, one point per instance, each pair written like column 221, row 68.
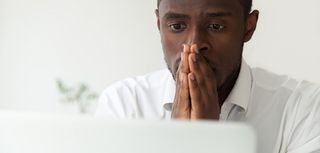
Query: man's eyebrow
column 218, row 14
column 173, row 15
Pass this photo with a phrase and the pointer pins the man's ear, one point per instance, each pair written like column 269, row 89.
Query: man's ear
column 158, row 21
column 251, row 24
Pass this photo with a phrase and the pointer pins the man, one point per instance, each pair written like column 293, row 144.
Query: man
column 208, row 79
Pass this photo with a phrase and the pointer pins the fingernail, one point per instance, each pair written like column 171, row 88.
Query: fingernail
column 195, row 48
column 185, row 48
column 192, row 48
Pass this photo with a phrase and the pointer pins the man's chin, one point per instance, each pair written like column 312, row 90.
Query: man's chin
column 173, row 74
column 173, row 69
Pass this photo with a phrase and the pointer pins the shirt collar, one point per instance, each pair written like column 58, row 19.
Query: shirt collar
column 169, row 93
column 239, row 95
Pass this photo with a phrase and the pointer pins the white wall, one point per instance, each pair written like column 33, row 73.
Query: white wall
column 95, row 41
column 287, row 40
column 99, row 41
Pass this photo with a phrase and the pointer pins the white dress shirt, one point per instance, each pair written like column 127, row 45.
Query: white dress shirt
column 284, row 112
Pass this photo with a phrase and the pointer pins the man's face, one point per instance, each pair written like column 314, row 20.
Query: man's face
column 218, row 27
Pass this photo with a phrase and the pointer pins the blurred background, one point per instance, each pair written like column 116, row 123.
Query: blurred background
column 57, row 56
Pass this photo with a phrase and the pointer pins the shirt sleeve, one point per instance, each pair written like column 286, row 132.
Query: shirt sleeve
column 305, row 134
column 116, row 102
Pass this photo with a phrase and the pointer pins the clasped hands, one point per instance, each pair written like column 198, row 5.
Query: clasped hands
column 196, row 87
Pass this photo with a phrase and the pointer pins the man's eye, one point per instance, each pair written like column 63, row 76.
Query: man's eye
column 177, row 27
column 216, row 27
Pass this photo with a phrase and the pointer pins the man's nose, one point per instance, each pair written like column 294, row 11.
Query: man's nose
column 199, row 37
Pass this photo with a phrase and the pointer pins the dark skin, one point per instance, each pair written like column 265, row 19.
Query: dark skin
column 203, row 42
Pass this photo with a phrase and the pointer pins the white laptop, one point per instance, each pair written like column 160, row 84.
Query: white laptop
column 43, row 133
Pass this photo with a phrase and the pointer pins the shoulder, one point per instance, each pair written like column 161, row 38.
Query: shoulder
column 129, row 98
column 284, row 95
column 298, row 104
column 271, row 81
column 297, row 91
column 149, row 80
column 305, row 99
column 302, row 116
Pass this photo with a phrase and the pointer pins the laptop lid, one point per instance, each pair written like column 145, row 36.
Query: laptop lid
column 40, row 133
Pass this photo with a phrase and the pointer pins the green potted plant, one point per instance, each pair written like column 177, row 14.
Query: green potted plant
column 79, row 94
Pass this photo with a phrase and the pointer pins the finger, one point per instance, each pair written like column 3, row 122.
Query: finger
column 194, row 49
column 184, row 91
column 178, row 87
column 184, row 59
column 178, row 81
column 182, row 102
column 195, row 97
column 196, row 70
column 176, row 97
column 203, row 105
column 178, row 71
column 203, row 72
column 199, row 59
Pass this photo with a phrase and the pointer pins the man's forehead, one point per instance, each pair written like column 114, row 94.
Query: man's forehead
column 183, row 6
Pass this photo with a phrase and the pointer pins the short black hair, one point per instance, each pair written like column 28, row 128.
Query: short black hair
column 247, row 5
